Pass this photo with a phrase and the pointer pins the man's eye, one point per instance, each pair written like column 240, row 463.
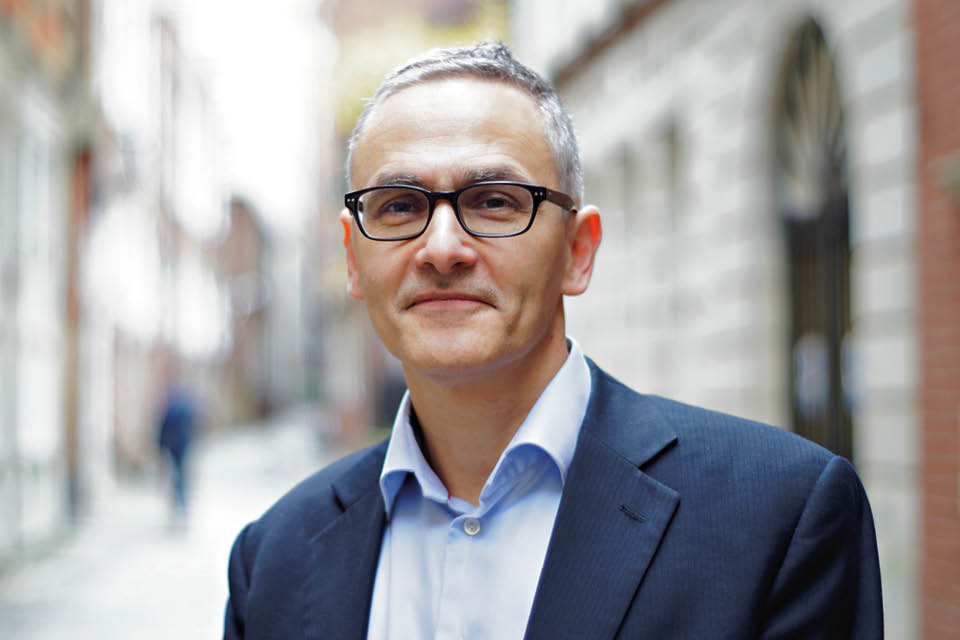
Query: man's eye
column 394, row 205
column 491, row 201
column 397, row 206
column 495, row 203
column 396, row 209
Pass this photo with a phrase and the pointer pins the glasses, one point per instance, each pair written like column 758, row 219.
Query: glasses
column 484, row 209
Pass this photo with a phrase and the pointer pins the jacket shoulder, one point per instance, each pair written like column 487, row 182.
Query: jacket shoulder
column 697, row 430
column 321, row 497
column 272, row 563
column 725, row 433
column 770, row 532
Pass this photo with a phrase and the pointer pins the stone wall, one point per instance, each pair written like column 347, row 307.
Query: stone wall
column 689, row 297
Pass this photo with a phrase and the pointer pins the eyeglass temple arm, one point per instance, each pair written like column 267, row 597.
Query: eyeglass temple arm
column 561, row 199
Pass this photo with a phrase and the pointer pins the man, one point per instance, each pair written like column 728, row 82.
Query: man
column 524, row 492
column 174, row 436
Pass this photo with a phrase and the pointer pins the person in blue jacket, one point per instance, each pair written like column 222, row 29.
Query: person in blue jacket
column 177, row 424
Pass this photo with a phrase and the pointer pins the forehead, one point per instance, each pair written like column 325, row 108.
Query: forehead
column 446, row 126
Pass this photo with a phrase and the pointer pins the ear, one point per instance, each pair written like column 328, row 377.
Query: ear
column 583, row 235
column 353, row 275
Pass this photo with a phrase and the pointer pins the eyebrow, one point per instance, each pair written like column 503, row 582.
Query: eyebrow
column 495, row 174
column 402, row 179
column 469, row 176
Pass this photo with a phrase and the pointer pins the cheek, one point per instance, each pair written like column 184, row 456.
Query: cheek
column 538, row 283
column 378, row 275
column 375, row 294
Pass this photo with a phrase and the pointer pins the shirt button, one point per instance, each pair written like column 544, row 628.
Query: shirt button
column 471, row 526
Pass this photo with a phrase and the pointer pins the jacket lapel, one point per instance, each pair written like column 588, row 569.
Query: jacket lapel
column 343, row 556
column 611, row 518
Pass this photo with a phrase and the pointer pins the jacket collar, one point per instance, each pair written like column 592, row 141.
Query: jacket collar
column 629, row 423
column 611, row 518
column 342, row 557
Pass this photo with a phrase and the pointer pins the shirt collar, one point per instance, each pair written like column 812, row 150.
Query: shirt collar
column 552, row 425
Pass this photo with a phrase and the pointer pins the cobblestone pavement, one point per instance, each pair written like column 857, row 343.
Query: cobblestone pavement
column 131, row 571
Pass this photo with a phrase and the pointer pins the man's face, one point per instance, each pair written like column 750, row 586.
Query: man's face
column 447, row 303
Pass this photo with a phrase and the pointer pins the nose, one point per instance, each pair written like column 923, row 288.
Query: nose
column 446, row 247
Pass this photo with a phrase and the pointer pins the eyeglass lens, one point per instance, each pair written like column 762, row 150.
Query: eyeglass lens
column 395, row 212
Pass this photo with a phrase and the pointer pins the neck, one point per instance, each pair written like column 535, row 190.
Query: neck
column 467, row 423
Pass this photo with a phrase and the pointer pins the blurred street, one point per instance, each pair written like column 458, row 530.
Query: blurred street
column 132, row 571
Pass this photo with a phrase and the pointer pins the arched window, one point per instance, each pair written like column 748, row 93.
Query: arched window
column 811, row 195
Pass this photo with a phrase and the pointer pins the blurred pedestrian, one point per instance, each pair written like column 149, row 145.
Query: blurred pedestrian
column 175, row 434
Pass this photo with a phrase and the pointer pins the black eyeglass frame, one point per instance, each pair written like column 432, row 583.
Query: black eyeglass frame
column 539, row 194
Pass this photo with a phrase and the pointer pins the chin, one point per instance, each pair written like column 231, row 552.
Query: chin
column 454, row 361
column 449, row 358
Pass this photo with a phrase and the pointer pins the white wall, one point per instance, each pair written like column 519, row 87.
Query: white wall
column 33, row 487
column 689, row 296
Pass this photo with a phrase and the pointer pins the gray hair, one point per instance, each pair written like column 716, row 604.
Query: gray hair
column 488, row 61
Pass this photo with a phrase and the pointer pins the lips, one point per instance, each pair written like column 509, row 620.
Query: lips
column 448, row 299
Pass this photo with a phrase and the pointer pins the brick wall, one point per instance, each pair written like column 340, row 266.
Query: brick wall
column 938, row 84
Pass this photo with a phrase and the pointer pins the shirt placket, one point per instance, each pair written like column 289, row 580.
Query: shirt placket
column 464, row 534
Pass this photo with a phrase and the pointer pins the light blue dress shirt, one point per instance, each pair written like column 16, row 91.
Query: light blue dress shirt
column 448, row 569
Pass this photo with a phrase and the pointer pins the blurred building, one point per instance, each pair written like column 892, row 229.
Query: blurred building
column 156, row 311
column 45, row 152
column 765, row 171
column 111, row 209
column 126, row 262
column 196, row 271
column 937, row 26
column 243, row 259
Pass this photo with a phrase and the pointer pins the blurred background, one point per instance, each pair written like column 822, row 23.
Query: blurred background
column 780, row 186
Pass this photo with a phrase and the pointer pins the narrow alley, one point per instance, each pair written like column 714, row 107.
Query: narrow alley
column 129, row 570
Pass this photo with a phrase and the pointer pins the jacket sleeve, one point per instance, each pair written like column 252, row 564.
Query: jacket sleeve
column 238, row 578
column 828, row 585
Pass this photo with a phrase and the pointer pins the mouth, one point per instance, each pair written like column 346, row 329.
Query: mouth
column 446, row 300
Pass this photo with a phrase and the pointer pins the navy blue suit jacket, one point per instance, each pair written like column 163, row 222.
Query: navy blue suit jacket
column 674, row 522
